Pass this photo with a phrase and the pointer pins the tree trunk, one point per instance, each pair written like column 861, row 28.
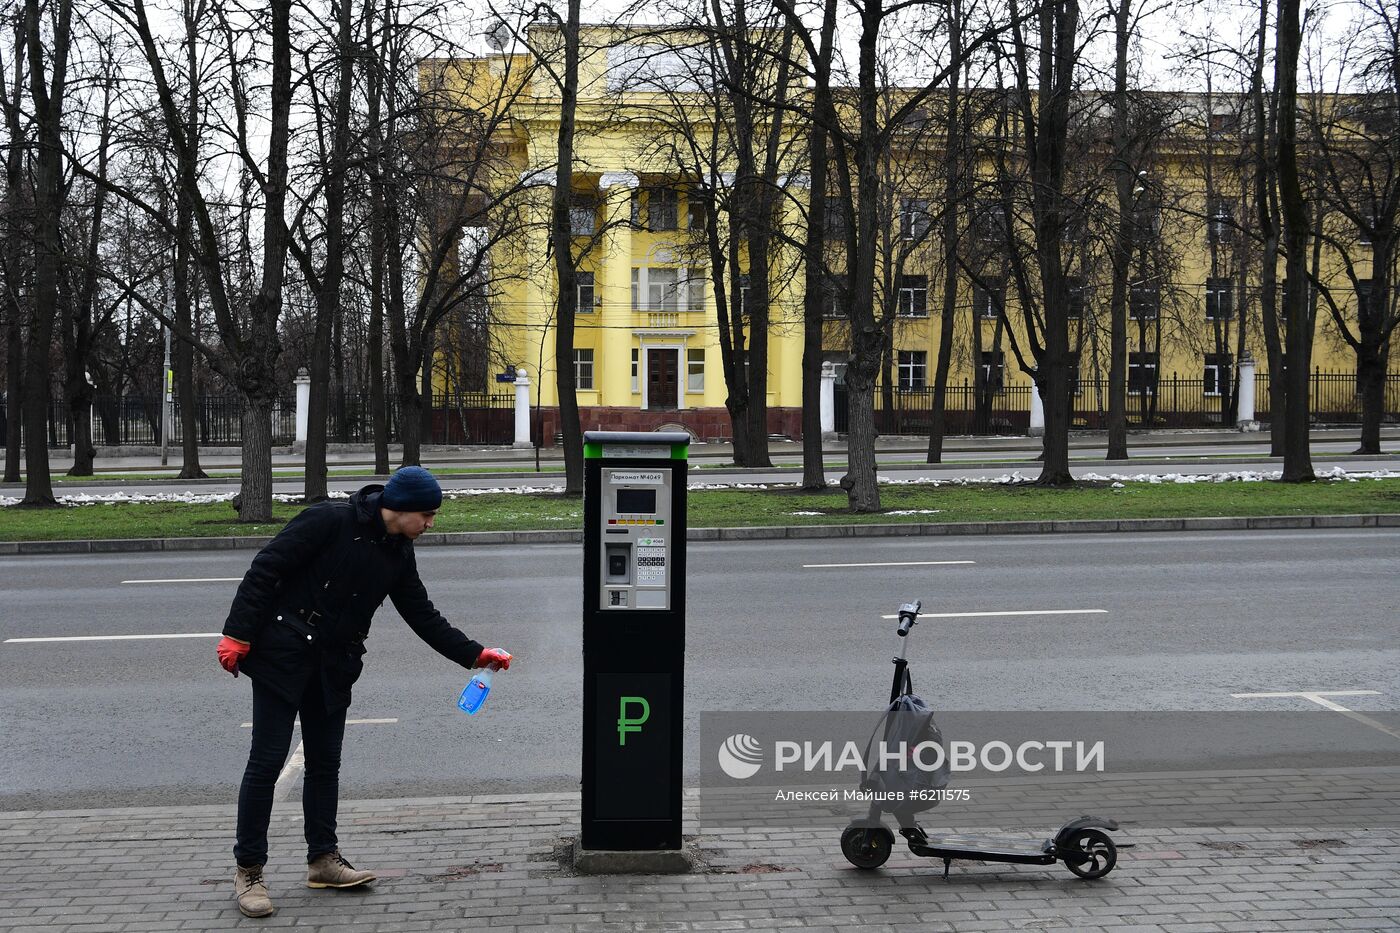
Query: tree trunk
column 861, row 482
column 328, row 293
column 1297, row 457
column 410, row 419
column 952, row 190
column 425, row 389
column 15, row 258
column 182, row 353
column 257, row 369
column 379, row 232
column 79, row 394
column 14, row 382
column 1125, row 179
column 566, row 307
column 255, row 487
column 1371, row 367
column 47, row 94
column 814, row 259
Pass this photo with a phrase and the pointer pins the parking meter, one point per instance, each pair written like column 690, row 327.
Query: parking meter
column 633, row 638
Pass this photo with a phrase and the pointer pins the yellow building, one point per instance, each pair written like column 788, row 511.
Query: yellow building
column 647, row 350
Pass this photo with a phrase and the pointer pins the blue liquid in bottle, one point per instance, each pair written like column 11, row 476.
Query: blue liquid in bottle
column 475, row 692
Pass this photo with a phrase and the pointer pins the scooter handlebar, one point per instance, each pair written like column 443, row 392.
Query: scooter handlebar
column 908, row 616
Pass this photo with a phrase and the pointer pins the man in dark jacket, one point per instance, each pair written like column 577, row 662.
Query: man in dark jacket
column 297, row 628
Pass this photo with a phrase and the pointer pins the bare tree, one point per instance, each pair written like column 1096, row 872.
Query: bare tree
column 327, row 281
column 858, row 151
column 48, row 88
column 249, row 340
column 1355, row 143
column 1298, row 312
column 565, row 261
column 15, row 256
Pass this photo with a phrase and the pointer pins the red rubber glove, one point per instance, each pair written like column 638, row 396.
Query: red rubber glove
column 231, row 651
column 494, row 656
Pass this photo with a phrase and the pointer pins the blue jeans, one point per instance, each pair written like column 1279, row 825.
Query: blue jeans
column 322, row 734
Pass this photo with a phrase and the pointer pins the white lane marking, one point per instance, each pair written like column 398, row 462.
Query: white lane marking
column 51, row 638
column 191, row 580
column 1018, row 612
column 348, row 722
column 906, row 563
column 291, row 774
column 1320, row 698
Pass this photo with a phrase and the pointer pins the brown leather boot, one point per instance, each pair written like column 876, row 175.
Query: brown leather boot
column 251, row 891
column 332, row 871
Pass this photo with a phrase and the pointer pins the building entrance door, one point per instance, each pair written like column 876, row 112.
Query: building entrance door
column 662, row 380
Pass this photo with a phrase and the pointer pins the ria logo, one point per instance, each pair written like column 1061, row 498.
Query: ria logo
column 740, row 756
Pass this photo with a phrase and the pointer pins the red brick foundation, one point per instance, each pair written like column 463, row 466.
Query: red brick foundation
column 704, row 424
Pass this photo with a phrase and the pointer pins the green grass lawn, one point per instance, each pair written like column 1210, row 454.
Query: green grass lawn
column 735, row 508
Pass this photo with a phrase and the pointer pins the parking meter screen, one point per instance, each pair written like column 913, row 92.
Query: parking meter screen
column 636, row 501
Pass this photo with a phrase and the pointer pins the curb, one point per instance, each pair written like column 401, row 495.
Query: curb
column 759, row 533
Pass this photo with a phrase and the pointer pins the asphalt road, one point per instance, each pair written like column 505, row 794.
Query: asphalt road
column 1188, row 619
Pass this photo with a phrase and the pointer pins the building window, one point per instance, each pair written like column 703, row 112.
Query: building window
column 587, row 296
column 663, row 209
column 695, row 370
column 833, row 307
column 1220, row 299
column 993, row 363
column 743, row 287
column 1217, row 373
column 636, row 354
column 989, row 222
column 695, row 288
column 913, row 296
column 655, row 289
column 1144, row 301
column 913, row 366
column 1224, row 121
column 913, row 218
column 694, row 211
column 987, row 300
column 1076, row 297
column 583, row 369
column 583, row 218
column 1220, row 219
column 1142, row 372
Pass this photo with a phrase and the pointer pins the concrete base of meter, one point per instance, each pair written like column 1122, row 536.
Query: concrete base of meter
column 665, row 862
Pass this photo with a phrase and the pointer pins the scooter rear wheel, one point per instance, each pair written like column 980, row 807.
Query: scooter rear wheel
column 867, row 847
column 1089, row 853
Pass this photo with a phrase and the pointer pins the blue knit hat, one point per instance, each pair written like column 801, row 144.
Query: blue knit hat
column 411, row 489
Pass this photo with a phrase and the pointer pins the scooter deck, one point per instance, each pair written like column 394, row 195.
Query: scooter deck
column 986, row 849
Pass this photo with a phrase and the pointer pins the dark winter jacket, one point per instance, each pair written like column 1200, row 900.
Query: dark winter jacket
column 309, row 597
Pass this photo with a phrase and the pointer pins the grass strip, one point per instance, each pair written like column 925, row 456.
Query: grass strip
column 728, row 508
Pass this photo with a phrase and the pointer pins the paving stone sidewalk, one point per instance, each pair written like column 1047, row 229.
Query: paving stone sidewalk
column 497, row 863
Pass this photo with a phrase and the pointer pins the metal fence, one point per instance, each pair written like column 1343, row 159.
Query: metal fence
column 473, row 418
column 1333, row 397
column 488, row 418
column 135, row 420
column 1170, row 402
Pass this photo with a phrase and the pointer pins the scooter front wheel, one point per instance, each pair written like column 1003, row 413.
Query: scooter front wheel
column 1089, row 853
column 867, row 847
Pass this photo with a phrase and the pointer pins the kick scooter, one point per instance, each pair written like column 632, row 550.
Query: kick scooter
column 1081, row 844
